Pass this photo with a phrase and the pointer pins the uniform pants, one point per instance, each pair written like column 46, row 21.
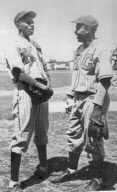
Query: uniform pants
column 28, row 119
column 77, row 134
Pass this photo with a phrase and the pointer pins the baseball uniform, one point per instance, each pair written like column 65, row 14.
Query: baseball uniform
column 28, row 118
column 90, row 66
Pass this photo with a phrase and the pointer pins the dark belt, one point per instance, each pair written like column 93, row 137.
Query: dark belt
column 83, row 95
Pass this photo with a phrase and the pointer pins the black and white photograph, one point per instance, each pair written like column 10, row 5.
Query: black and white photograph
column 58, row 95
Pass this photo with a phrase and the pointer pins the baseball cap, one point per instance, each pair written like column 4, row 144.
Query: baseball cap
column 87, row 20
column 22, row 14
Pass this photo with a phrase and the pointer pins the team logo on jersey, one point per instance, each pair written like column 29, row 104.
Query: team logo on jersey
column 86, row 62
column 26, row 55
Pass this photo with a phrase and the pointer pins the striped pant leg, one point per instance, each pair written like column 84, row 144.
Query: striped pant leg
column 23, row 123
column 75, row 132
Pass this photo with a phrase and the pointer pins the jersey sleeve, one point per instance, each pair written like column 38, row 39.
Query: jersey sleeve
column 13, row 59
column 104, row 64
column 104, row 70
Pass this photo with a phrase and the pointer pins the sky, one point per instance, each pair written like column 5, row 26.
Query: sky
column 53, row 27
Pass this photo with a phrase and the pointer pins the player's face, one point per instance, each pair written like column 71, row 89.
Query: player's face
column 27, row 26
column 83, row 32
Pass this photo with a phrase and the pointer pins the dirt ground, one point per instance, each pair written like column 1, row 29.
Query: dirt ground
column 57, row 159
column 57, row 154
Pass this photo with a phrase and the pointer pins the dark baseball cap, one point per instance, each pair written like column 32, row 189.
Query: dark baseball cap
column 23, row 14
column 88, row 20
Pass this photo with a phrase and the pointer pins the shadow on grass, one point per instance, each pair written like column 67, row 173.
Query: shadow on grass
column 108, row 173
column 55, row 164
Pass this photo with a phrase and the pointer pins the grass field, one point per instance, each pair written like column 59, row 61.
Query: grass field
column 58, row 78
column 56, row 148
column 57, row 158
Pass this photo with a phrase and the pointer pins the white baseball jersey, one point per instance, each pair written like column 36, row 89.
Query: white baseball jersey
column 90, row 65
column 24, row 55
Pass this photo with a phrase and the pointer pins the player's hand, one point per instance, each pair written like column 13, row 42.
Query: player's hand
column 69, row 102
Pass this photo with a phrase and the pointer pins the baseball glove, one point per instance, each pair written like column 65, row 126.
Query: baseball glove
column 96, row 128
column 39, row 94
column 38, row 89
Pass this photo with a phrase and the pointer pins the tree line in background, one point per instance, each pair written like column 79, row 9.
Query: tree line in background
column 59, row 65
column 53, row 64
column 68, row 65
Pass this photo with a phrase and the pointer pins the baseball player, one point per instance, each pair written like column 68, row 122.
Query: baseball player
column 25, row 63
column 91, row 77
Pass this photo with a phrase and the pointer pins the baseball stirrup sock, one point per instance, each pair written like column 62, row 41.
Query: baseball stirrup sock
column 15, row 166
column 42, row 152
column 73, row 160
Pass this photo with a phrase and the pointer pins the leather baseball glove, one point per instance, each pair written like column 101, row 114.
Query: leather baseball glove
column 38, row 89
column 39, row 93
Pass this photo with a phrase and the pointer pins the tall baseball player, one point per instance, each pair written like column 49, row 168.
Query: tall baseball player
column 91, row 77
column 26, row 67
